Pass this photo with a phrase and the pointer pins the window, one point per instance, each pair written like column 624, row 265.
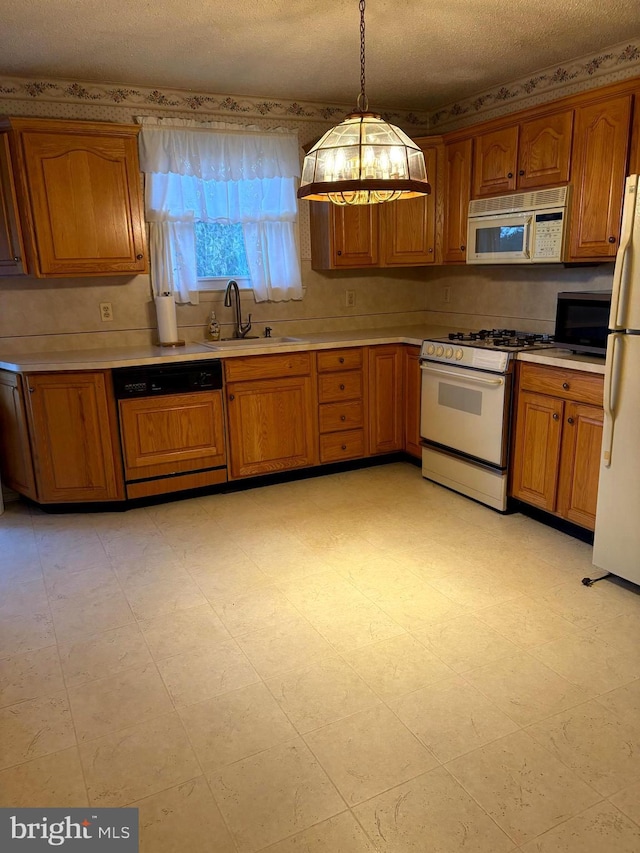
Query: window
column 220, row 255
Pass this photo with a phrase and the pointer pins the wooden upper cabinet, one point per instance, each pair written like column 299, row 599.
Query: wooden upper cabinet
column 80, row 197
column 74, row 433
column 600, row 147
column 16, row 465
column 544, row 156
column 457, row 193
column 11, row 246
column 495, row 162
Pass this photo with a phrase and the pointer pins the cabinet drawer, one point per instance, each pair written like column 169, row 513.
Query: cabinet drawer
column 267, row 366
column 561, row 382
column 339, row 359
column 340, row 386
column 342, row 445
column 341, row 416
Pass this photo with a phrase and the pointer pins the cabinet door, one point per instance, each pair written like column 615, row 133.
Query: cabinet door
column 412, row 388
column 599, row 167
column 580, row 464
column 173, row 433
column 457, row 192
column 355, row 235
column 84, row 191
column 494, row 162
column 16, row 465
column 409, row 226
column 536, row 454
column 272, row 425
column 11, row 248
column 73, row 431
column 545, row 151
column 386, row 422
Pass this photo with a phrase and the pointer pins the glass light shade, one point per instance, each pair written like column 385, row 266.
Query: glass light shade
column 363, row 160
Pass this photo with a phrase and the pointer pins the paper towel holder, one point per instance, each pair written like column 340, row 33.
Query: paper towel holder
column 173, row 326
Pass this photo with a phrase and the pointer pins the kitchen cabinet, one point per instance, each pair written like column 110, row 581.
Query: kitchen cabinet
column 74, row 441
column 528, row 155
column 457, row 193
column 271, row 414
column 412, row 390
column 558, row 434
column 341, row 404
column 11, row 246
column 79, row 196
column 172, row 442
column 393, row 234
column 600, row 148
column 16, row 466
column 386, row 415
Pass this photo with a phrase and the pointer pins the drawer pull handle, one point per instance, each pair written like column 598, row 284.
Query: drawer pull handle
column 342, row 387
column 570, row 421
column 556, row 416
column 343, row 417
column 565, row 385
column 344, row 446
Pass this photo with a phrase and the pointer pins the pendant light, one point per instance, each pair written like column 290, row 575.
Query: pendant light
column 363, row 160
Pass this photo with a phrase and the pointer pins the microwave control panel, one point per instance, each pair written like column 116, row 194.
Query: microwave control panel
column 548, row 234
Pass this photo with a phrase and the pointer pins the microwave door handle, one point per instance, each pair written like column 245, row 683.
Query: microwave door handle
column 618, row 294
column 526, row 248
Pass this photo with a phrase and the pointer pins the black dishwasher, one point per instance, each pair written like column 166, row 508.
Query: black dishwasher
column 171, row 426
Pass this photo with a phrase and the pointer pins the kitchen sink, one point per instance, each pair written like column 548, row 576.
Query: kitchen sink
column 241, row 343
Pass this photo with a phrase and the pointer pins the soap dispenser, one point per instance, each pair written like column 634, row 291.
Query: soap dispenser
column 214, row 328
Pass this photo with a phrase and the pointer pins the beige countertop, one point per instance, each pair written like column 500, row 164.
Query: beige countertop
column 564, row 358
column 109, row 357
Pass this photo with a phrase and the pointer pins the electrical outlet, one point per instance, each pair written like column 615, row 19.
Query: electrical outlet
column 106, row 312
column 350, row 298
column 446, row 293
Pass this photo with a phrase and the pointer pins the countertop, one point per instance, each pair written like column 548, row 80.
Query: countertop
column 109, row 357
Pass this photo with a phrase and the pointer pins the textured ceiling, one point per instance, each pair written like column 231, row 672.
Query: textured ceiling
column 421, row 54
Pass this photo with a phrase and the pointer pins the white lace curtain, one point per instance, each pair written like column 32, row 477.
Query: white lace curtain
column 221, row 172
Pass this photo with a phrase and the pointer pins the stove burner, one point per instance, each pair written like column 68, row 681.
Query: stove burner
column 505, row 338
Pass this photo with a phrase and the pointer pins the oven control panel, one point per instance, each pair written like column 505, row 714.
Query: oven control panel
column 460, row 355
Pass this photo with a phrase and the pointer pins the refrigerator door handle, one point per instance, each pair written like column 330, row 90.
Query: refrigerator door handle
column 611, row 380
column 619, row 285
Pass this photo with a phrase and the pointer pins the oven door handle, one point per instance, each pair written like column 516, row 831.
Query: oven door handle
column 466, row 378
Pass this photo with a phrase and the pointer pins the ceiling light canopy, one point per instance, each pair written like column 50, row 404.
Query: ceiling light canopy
column 364, row 159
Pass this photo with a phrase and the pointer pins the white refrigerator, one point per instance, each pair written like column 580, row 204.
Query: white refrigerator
column 616, row 546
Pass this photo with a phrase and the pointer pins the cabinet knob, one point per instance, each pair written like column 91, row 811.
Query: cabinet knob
column 556, row 416
column 612, row 239
column 430, row 250
column 342, row 387
column 565, row 385
column 339, row 252
column 343, row 417
column 344, row 446
column 232, row 396
column 521, row 172
column 462, row 248
column 341, row 360
column 139, row 257
column 17, row 259
column 570, row 421
column 510, row 174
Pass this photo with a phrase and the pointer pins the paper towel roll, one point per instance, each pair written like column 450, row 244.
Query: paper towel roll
column 167, row 323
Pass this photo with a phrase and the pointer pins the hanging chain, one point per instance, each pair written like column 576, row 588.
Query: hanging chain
column 363, row 104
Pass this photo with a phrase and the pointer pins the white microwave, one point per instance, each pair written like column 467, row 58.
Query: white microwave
column 525, row 228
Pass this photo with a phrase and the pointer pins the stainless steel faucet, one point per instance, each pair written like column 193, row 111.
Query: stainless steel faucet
column 239, row 330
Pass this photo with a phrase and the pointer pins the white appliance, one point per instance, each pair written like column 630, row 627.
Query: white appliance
column 525, row 228
column 616, row 547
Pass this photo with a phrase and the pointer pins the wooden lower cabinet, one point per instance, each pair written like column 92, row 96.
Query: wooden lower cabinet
column 271, row 419
column 412, row 391
column 342, row 408
column 556, row 456
column 16, row 466
column 74, row 437
column 386, row 416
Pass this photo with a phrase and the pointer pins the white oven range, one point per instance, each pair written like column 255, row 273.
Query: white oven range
column 467, row 381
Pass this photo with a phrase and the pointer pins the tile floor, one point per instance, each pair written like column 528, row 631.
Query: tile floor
column 354, row 663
